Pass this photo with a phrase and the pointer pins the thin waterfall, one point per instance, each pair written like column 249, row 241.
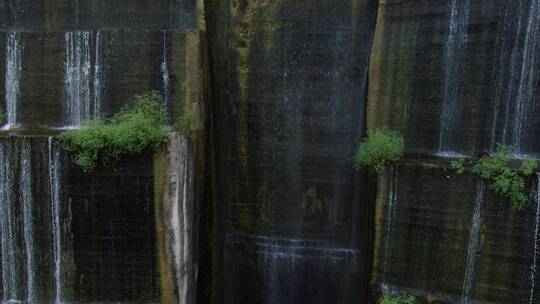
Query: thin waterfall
column 25, row 190
column 54, row 186
column 453, row 62
column 98, row 75
column 472, row 249
column 11, row 268
column 390, row 217
column 535, row 252
column 13, row 77
column 505, row 80
column 514, row 86
column 77, row 78
column 526, row 78
column 165, row 72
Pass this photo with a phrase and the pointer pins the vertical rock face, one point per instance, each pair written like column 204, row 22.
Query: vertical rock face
column 114, row 234
column 430, row 73
column 450, row 239
column 289, row 85
column 60, row 15
column 92, row 74
column 70, row 236
column 456, row 78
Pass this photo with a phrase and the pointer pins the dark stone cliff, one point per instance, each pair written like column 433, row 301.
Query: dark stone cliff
column 289, row 85
column 263, row 204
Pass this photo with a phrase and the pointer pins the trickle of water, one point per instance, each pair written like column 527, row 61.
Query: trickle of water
column 165, row 72
column 472, row 249
column 77, row 78
column 390, row 218
column 54, row 186
column 526, row 77
column 10, row 263
column 13, row 77
column 98, row 75
column 535, row 252
column 25, row 190
column 453, row 61
column 513, row 89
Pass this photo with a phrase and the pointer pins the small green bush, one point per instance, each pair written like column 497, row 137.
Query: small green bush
column 139, row 125
column 402, row 299
column 381, row 147
column 505, row 180
column 186, row 124
column 458, row 166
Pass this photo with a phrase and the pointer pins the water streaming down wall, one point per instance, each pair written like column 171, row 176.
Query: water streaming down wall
column 98, row 76
column 452, row 99
column 13, row 71
column 12, row 250
column 27, row 200
column 83, row 81
column 513, row 119
column 56, row 224
column 77, row 78
column 31, row 257
column 165, row 71
column 474, row 243
column 535, row 246
column 280, row 265
column 391, row 216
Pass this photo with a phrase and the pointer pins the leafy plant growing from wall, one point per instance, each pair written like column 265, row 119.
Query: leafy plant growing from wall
column 380, row 148
column 504, row 179
column 138, row 126
column 458, row 166
column 186, row 124
column 387, row 298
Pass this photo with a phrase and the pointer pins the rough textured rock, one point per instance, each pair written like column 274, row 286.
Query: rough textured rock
column 113, row 228
column 422, row 246
column 485, row 67
column 408, row 68
column 60, row 15
column 289, row 87
column 131, row 63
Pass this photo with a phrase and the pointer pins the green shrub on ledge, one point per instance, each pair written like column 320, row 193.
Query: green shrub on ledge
column 380, row 148
column 402, row 299
column 505, row 180
column 186, row 124
column 138, row 126
column 458, row 166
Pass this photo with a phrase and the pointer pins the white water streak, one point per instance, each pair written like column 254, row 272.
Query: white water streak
column 514, row 84
column 12, row 78
column 25, row 190
column 77, row 78
column 98, row 75
column 390, row 217
column 526, row 79
column 165, row 72
column 455, row 48
column 10, row 269
column 472, row 250
column 535, row 252
column 54, row 186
